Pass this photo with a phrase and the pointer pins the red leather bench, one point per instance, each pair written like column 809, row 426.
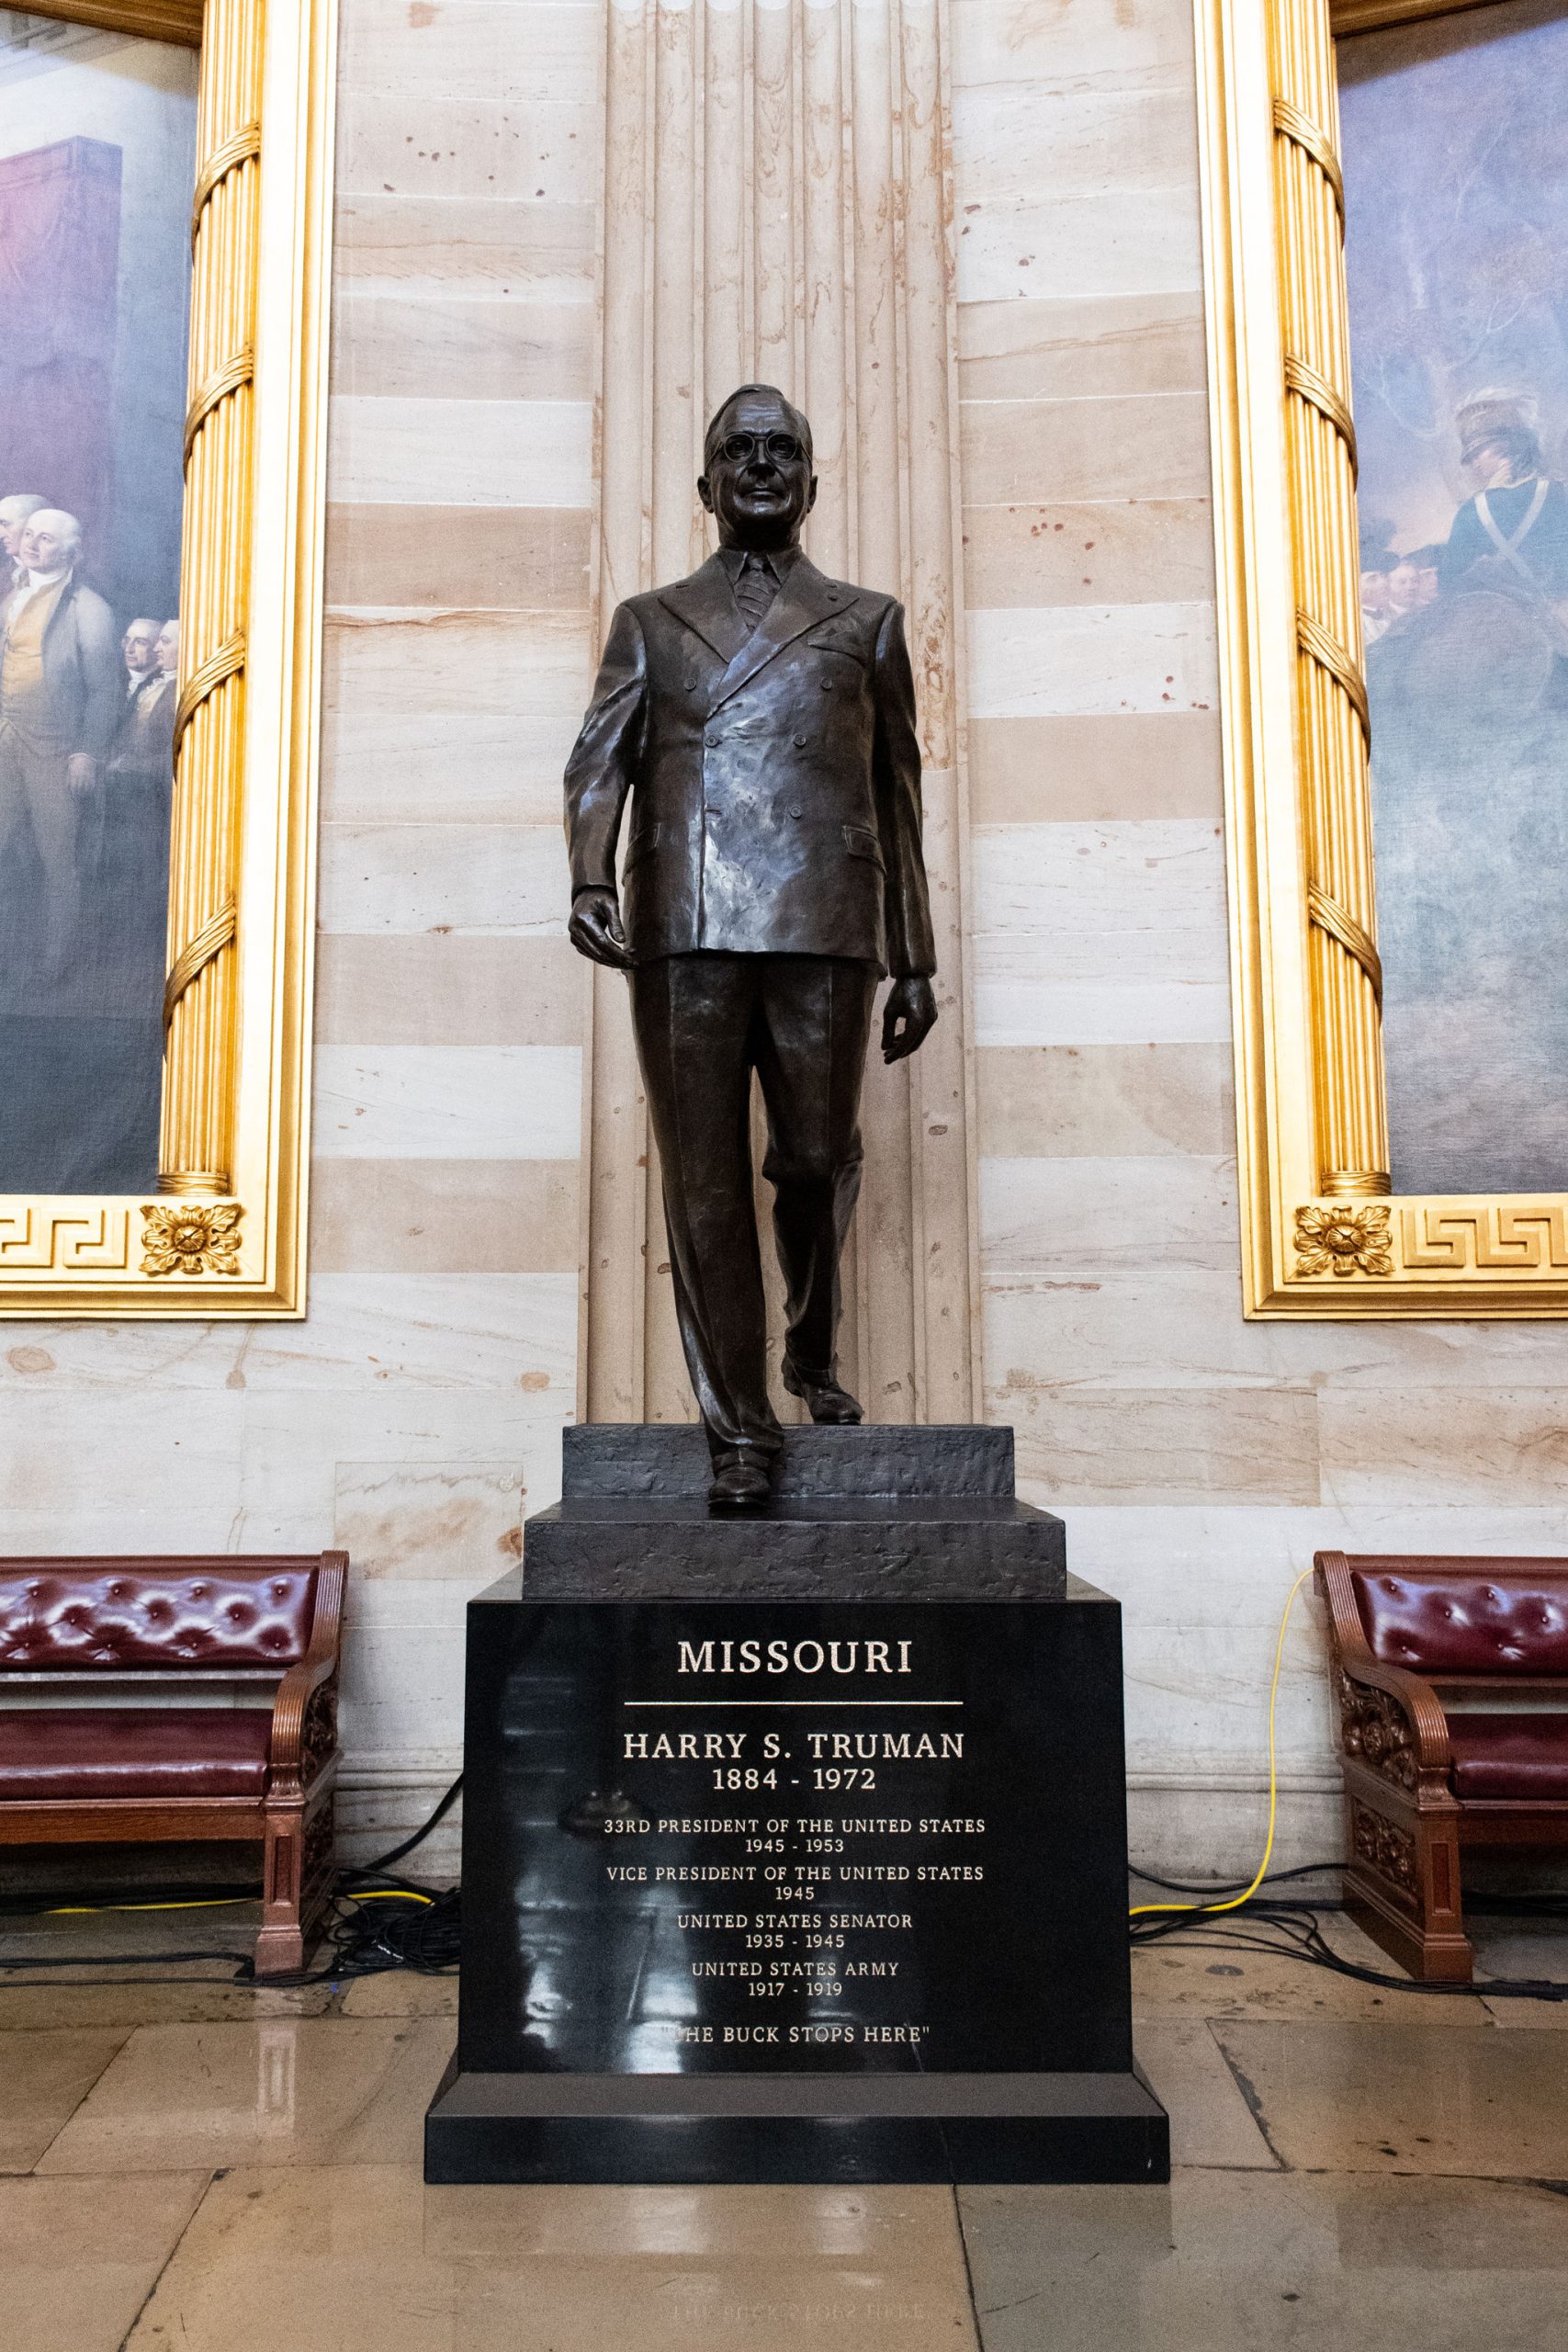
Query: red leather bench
column 1452, row 1677
column 259, row 1631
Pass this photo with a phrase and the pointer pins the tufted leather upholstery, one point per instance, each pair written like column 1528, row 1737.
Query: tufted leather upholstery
column 73, row 1615
column 1478, row 1617
column 1510, row 1759
column 93, row 1752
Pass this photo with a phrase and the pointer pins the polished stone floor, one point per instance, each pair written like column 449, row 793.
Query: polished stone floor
column 193, row 2167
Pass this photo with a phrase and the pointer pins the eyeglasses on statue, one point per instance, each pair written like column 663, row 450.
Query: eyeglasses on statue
column 739, row 449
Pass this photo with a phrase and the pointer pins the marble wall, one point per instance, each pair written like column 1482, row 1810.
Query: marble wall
column 450, row 1009
column 1198, row 1459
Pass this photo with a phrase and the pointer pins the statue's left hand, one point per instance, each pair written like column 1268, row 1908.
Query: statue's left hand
column 908, row 1017
column 594, row 929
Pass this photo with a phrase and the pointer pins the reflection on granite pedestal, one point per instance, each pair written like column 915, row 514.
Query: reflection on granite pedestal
column 598, row 1973
column 911, row 1968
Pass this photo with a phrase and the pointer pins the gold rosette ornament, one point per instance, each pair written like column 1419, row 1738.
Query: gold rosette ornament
column 191, row 1240
column 1343, row 1240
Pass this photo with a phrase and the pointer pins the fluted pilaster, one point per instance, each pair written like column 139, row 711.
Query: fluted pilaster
column 1333, row 728
column 778, row 206
column 200, row 996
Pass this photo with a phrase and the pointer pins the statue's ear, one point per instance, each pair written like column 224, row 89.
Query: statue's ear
column 811, row 495
column 706, row 494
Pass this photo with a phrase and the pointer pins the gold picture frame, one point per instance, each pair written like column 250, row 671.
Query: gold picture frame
column 223, row 1234
column 1321, row 1234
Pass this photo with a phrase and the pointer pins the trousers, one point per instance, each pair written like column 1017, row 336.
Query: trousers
column 36, row 798
column 704, row 1022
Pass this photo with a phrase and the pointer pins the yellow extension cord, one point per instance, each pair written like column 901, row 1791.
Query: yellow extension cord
column 1236, row 1901
column 219, row 1902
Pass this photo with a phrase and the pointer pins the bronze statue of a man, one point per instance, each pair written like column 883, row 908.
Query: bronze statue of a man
column 760, row 719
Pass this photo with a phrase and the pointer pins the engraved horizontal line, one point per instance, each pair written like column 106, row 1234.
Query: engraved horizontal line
column 792, row 1703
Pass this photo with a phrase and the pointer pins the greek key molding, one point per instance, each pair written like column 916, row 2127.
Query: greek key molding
column 1498, row 1238
column 38, row 1239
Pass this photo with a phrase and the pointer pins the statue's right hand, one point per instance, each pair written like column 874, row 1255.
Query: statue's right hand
column 595, row 931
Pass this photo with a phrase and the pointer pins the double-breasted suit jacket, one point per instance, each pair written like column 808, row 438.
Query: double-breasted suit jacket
column 773, row 775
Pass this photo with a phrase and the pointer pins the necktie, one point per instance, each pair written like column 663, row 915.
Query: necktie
column 755, row 589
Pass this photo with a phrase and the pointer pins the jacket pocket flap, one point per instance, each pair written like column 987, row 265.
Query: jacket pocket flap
column 861, row 842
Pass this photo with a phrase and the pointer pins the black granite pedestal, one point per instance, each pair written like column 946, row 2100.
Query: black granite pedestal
column 794, row 1846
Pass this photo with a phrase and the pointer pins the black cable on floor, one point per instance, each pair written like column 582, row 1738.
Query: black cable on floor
column 384, row 1862
column 1297, row 1936
column 1218, row 1888
column 130, row 1960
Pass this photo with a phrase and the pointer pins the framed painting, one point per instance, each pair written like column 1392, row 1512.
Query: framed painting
column 1386, row 250
column 164, row 223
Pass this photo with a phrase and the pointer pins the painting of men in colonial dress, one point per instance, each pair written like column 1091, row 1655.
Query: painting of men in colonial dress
column 1517, row 514
column 1456, row 165
column 97, row 135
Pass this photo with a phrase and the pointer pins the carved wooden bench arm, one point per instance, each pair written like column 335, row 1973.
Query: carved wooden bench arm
column 304, row 1714
column 1389, row 1718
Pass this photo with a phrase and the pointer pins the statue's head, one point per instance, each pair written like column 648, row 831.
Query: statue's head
column 757, row 481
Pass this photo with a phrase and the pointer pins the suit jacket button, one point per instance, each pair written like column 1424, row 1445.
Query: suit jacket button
column 712, row 741
column 798, row 813
column 826, row 684
column 800, row 742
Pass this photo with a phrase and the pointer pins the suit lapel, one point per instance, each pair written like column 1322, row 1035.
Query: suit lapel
column 804, row 598
column 705, row 603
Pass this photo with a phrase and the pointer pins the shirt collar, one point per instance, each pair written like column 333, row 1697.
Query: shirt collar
column 780, row 561
column 47, row 579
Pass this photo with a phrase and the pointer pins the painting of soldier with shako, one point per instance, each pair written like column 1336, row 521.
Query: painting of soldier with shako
column 1456, row 167
column 98, row 137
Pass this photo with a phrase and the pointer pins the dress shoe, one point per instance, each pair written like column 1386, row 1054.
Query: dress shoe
column 821, row 1395
column 741, row 1482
